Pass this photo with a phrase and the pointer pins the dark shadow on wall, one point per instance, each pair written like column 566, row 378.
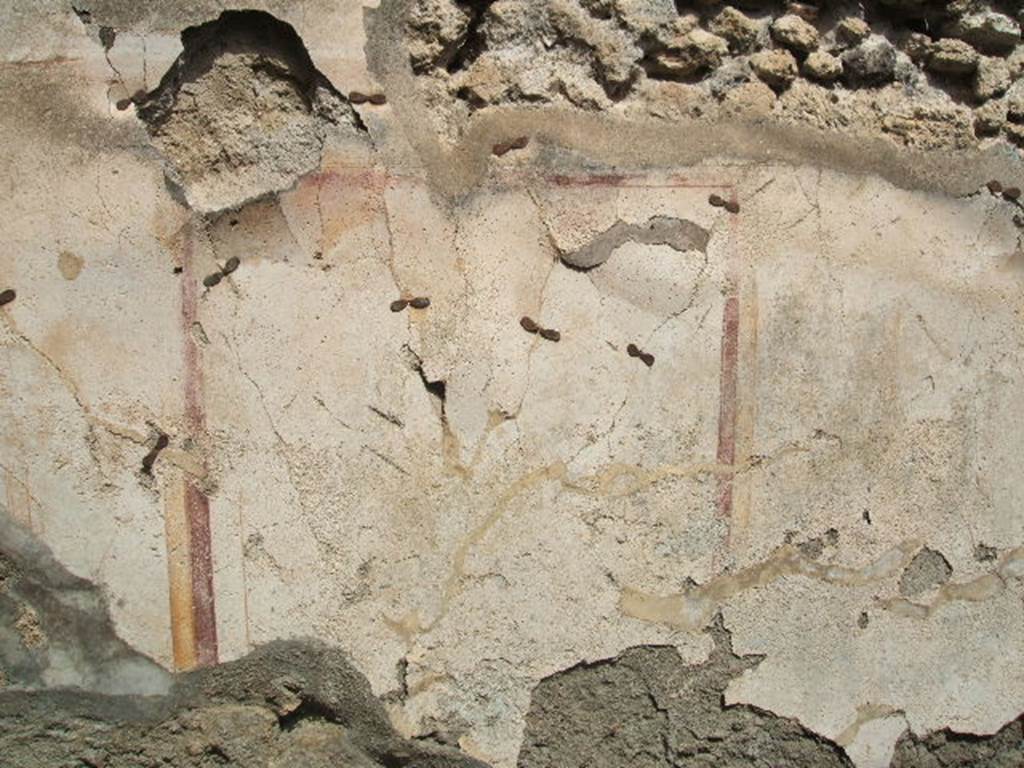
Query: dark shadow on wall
column 55, row 628
column 73, row 693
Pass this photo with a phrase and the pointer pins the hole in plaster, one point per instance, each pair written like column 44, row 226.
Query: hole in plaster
column 927, row 570
column 243, row 112
column 150, row 458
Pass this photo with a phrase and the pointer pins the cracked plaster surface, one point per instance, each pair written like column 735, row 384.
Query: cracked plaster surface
column 562, row 502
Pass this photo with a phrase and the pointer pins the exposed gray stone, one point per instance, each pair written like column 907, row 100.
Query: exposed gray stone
column 952, row 57
column 793, row 32
column 688, row 56
column 435, row 28
column 917, row 46
column 646, row 709
column 927, row 570
column 873, row 62
column 990, row 117
column 1015, row 102
column 823, row 67
column 991, row 79
column 678, row 234
column 1003, row 749
column 735, row 26
column 776, row 68
column 987, row 31
column 287, row 703
column 851, row 30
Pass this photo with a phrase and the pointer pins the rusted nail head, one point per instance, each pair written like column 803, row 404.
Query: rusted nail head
column 420, row 302
column 398, row 305
column 528, row 324
column 211, row 280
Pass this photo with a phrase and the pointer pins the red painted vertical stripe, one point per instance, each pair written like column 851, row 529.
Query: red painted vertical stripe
column 204, row 618
column 727, row 399
column 197, row 505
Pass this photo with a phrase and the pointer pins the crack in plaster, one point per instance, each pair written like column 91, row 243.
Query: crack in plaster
column 693, row 608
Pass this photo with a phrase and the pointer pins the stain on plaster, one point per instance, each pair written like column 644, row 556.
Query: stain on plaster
column 678, row 234
column 70, row 265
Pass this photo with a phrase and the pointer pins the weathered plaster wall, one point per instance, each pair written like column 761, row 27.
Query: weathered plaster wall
column 752, row 493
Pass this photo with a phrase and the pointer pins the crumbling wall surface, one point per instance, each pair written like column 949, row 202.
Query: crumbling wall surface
column 646, row 708
column 577, row 382
column 289, row 703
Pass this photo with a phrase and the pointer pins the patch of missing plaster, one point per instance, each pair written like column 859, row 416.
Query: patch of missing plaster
column 1003, row 749
column 813, row 548
column 243, row 112
column 442, row 33
column 928, row 569
column 678, row 234
column 9, row 572
column 27, row 625
column 646, row 709
column 288, row 703
column 981, row 588
column 83, row 697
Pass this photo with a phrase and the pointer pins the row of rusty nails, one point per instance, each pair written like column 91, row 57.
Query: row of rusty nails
column 1010, row 193
column 501, row 148
column 357, row 97
column 215, row 277
column 720, row 202
column 646, row 357
column 530, row 326
column 420, row 302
